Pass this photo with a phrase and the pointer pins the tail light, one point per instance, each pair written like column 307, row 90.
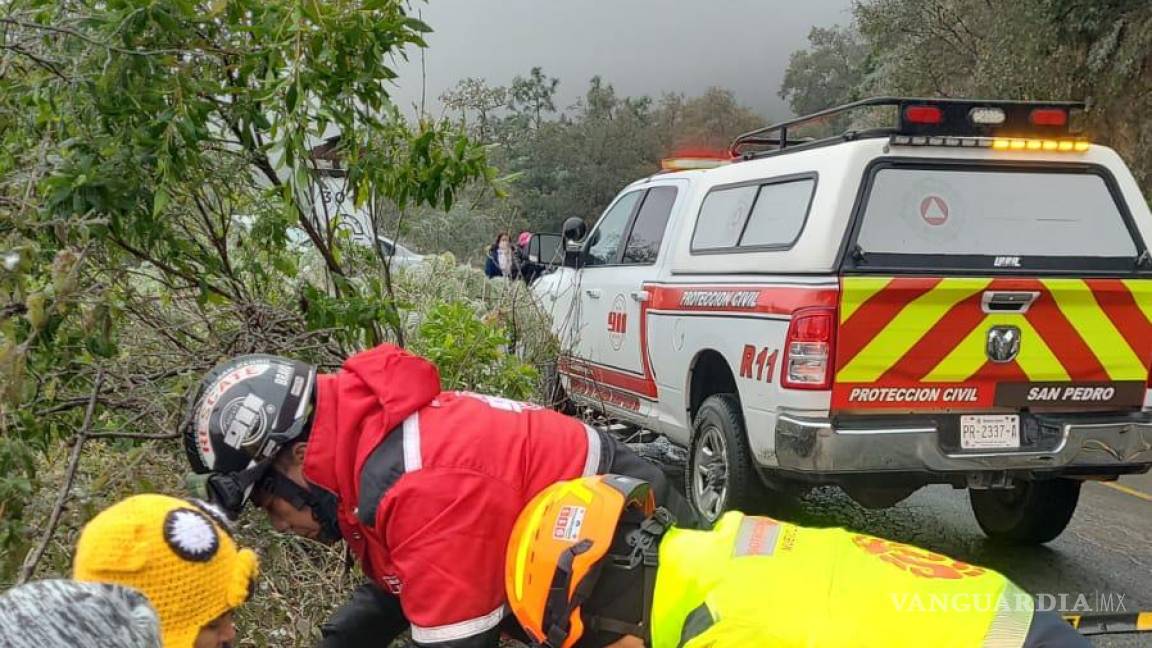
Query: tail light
column 808, row 349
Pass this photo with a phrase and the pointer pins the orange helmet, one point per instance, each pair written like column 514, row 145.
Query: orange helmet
column 557, row 546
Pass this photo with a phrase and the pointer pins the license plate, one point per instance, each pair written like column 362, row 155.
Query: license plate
column 989, row 431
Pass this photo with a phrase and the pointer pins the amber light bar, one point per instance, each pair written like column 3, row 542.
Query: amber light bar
column 995, row 143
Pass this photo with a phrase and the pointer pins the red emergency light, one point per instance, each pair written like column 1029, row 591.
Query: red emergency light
column 930, row 115
column 687, row 159
column 1049, row 117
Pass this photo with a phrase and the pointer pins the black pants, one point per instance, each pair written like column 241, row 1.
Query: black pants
column 372, row 617
column 619, row 459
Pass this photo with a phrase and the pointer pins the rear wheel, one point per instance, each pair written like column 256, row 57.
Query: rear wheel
column 720, row 475
column 1034, row 512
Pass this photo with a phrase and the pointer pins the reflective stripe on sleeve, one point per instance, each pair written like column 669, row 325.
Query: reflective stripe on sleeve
column 458, row 630
column 592, row 460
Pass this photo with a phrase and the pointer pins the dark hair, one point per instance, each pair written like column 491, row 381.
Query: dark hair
column 496, row 243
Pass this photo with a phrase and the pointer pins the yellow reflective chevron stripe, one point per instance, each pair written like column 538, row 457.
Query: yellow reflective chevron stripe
column 911, row 324
column 1078, row 304
column 858, row 290
column 1142, row 294
column 1035, row 358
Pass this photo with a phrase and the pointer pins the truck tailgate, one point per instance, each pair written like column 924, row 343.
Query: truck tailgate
column 968, row 343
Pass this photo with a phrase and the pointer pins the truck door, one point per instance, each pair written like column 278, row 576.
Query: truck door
column 601, row 255
column 623, row 345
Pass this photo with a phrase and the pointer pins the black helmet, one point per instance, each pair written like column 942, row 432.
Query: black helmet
column 243, row 413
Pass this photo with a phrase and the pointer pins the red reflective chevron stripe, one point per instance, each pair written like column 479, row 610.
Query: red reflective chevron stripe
column 875, row 314
column 1117, row 302
column 1063, row 339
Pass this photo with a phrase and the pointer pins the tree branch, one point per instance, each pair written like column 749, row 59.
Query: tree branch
column 219, row 242
column 163, row 436
column 37, row 554
column 56, row 29
column 140, row 254
column 39, row 61
column 264, row 165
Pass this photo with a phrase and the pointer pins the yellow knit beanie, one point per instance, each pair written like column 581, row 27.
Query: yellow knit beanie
column 178, row 553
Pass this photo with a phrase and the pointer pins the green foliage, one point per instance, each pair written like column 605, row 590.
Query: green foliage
column 156, row 198
column 474, row 95
column 472, row 354
column 533, row 97
column 571, row 164
column 826, row 74
column 17, row 462
column 1091, row 50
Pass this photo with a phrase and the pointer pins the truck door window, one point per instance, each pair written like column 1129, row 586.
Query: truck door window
column 722, row 217
column 604, row 244
column 779, row 214
column 648, row 229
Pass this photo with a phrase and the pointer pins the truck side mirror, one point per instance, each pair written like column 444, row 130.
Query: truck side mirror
column 574, row 229
column 546, row 250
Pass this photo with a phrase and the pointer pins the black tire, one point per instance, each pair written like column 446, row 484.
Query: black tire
column 721, row 473
column 1034, row 512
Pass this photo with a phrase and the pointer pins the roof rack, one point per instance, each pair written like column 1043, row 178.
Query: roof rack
column 926, row 116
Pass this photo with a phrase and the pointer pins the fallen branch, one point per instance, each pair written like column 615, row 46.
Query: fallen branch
column 37, row 554
column 72, row 403
column 159, row 436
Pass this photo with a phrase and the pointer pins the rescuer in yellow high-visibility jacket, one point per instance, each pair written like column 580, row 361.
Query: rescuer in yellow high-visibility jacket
column 591, row 563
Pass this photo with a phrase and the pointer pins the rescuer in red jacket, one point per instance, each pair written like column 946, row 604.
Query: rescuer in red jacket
column 423, row 485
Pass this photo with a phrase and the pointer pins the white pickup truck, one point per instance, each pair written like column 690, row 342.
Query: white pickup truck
column 964, row 297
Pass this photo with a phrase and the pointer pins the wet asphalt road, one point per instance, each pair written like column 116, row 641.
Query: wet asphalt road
column 1105, row 554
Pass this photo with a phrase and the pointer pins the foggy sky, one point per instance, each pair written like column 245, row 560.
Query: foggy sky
column 639, row 46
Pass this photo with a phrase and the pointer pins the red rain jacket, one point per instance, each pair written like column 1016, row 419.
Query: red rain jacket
column 430, row 483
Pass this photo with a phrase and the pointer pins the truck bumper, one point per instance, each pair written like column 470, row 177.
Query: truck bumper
column 1107, row 444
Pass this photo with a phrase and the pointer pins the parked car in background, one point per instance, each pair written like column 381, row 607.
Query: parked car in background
column 401, row 256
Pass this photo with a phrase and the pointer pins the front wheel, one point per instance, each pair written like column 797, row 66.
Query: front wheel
column 1034, row 512
column 721, row 474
